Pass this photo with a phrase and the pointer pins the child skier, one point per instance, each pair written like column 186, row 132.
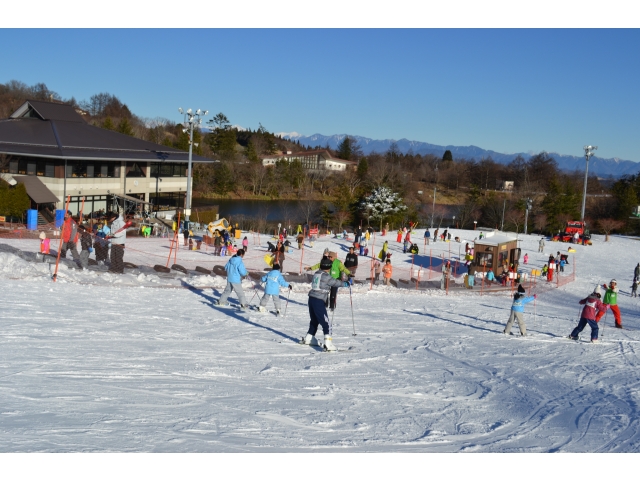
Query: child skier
column 235, row 271
column 591, row 313
column 318, row 296
column 634, row 287
column 378, row 270
column 517, row 309
column 611, row 299
column 273, row 281
column 387, row 270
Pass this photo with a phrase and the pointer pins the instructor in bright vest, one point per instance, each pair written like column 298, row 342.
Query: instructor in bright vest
column 611, row 299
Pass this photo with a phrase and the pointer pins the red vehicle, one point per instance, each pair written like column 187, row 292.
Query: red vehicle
column 570, row 230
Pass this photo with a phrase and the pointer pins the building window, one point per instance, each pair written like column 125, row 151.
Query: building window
column 49, row 170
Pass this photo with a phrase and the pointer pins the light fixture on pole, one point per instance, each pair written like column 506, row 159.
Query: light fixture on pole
column 588, row 153
column 191, row 121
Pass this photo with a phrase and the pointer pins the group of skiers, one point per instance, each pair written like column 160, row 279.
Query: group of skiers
column 106, row 239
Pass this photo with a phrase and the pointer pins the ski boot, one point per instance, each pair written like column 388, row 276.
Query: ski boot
column 278, row 313
column 595, row 340
column 573, row 338
column 328, row 345
column 262, row 309
column 309, row 340
column 217, row 302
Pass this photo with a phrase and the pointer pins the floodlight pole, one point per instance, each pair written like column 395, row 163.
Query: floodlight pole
column 191, row 120
column 588, row 153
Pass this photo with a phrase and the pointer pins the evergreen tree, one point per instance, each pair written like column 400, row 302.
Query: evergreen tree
column 108, row 124
column 383, row 203
column 224, row 180
column 252, row 154
column 344, row 148
column 124, row 127
column 448, row 156
column 363, row 168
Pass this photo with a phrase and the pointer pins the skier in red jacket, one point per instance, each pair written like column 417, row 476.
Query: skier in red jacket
column 69, row 237
column 592, row 306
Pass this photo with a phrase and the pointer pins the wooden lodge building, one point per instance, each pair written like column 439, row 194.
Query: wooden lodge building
column 52, row 150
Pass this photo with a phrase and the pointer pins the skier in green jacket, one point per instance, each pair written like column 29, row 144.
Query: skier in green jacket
column 337, row 268
column 611, row 298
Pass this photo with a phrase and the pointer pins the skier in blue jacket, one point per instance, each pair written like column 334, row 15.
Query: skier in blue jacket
column 517, row 309
column 235, row 271
column 273, row 281
column 427, row 236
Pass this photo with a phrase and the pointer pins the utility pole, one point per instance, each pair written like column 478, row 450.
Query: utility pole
column 588, row 153
column 504, row 206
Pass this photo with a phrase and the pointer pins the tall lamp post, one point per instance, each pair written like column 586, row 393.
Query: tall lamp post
column 433, row 208
column 526, row 214
column 588, row 153
column 191, row 120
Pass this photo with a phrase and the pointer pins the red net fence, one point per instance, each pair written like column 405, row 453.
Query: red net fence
column 165, row 253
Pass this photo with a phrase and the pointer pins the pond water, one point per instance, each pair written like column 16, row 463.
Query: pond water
column 272, row 210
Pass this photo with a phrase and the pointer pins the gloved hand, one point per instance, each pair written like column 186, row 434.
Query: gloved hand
column 535, row 295
column 290, row 287
column 346, row 284
column 350, row 279
column 90, row 250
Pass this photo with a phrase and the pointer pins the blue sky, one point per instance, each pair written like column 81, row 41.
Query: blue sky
column 500, row 89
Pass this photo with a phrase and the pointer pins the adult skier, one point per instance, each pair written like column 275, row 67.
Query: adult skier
column 320, row 285
column 118, row 237
column 517, row 309
column 351, row 261
column 591, row 313
column 611, row 299
column 541, row 245
column 427, row 236
column 69, row 237
column 235, row 271
column 636, row 271
column 272, row 283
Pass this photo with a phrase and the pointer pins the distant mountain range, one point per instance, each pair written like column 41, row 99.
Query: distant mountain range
column 602, row 167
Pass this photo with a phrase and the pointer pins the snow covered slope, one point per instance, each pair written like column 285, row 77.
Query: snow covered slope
column 129, row 363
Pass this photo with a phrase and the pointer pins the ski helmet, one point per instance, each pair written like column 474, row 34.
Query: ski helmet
column 613, row 281
column 325, row 263
column 276, row 266
column 521, row 289
column 597, row 290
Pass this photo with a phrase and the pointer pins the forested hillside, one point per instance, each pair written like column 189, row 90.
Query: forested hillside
column 473, row 190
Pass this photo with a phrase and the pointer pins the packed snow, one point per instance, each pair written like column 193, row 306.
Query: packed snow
column 97, row 362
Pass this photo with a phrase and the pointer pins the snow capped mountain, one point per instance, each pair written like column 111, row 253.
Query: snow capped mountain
column 600, row 166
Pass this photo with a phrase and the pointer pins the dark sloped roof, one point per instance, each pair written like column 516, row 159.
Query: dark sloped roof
column 37, row 190
column 54, row 134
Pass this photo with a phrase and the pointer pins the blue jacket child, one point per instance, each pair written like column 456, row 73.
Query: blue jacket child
column 517, row 309
column 235, row 271
column 273, row 281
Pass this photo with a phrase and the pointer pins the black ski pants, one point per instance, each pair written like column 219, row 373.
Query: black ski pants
column 318, row 314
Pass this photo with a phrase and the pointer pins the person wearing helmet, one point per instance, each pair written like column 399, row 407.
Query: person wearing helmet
column 318, row 296
column 611, row 299
column 591, row 314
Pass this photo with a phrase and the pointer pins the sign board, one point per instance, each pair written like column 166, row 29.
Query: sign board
column 3, row 219
column 313, row 231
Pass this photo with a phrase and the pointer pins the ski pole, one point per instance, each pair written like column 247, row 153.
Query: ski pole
column 254, row 295
column 286, row 305
column 352, row 320
column 604, row 324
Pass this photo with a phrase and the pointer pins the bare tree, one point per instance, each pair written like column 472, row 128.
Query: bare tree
column 341, row 217
column 607, row 225
column 540, row 222
column 515, row 217
column 307, row 209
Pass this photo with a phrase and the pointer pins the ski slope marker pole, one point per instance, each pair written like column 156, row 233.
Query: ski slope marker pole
column 352, row 320
column 286, row 305
column 66, row 209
